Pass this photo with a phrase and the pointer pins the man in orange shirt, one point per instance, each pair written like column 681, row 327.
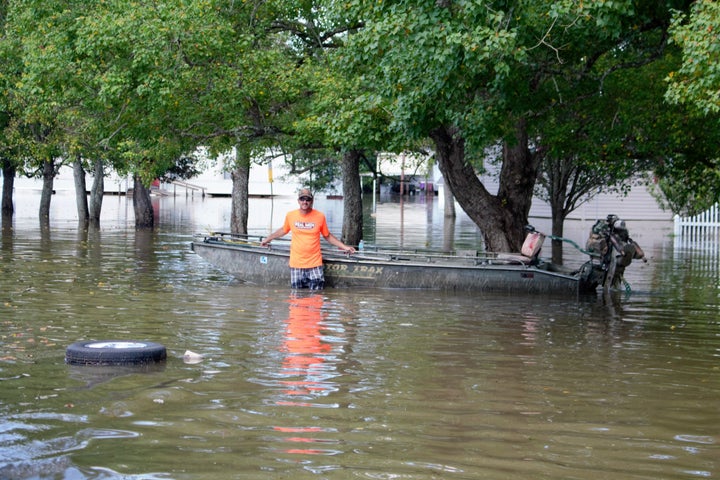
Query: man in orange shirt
column 306, row 225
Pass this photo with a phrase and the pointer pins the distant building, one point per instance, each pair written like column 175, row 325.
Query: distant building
column 639, row 204
column 420, row 175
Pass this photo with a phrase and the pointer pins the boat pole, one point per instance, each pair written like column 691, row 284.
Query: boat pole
column 402, row 196
column 375, row 177
column 272, row 197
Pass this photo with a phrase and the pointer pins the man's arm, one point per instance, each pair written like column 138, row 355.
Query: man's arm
column 280, row 232
column 333, row 240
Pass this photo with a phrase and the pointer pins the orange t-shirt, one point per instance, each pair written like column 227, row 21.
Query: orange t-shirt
column 305, row 242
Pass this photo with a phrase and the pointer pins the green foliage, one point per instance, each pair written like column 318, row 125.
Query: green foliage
column 432, row 65
column 605, row 141
column 482, row 65
column 144, row 83
column 691, row 188
column 690, row 180
column 697, row 81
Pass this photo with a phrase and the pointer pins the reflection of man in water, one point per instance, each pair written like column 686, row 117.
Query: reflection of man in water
column 304, row 369
column 304, row 346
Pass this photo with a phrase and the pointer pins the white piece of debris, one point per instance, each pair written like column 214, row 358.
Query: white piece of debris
column 192, row 357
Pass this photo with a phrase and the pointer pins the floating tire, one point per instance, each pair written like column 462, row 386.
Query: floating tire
column 115, row 352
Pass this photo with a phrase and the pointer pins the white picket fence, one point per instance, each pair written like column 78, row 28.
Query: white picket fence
column 700, row 232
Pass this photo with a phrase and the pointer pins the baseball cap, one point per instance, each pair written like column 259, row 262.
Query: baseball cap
column 305, row 193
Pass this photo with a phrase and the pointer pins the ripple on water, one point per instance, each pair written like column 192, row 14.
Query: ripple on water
column 23, row 457
column 701, row 439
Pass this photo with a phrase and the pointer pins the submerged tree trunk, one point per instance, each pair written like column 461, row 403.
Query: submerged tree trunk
column 352, row 228
column 502, row 217
column 48, row 178
column 449, row 209
column 558, row 228
column 558, row 193
column 80, row 192
column 9, row 171
column 96, row 193
column 142, row 205
column 448, row 234
column 240, row 184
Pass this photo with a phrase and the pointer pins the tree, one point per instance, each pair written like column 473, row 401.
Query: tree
column 691, row 183
column 34, row 130
column 7, row 67
column 144, row 83
column 52, row 109
column 605, row 143
column 334, row 122
column 467, row 74
column 250, row 89
column 697, row 81
column 143, row 67
column 342, row 120
column 352, row 207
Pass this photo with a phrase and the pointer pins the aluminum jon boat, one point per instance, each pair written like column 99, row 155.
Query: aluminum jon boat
column 243, row 257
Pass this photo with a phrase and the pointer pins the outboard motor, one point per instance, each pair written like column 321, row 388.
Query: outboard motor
column 597, row 242
column 610, row 240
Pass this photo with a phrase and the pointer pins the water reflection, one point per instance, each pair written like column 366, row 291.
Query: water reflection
column 307, row 371
column 306, row 350
column 92, row 375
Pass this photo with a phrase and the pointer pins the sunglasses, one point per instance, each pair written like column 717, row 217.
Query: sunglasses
column 305, row 199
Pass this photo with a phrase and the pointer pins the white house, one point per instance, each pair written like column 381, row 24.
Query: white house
column 272, row 178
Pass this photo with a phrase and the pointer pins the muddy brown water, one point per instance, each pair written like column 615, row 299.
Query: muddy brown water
column 376, row 384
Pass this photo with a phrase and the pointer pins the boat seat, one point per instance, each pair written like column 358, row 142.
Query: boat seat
column 507, row 258
column 528, row 253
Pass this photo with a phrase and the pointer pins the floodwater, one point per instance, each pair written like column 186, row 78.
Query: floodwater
column 345, row 384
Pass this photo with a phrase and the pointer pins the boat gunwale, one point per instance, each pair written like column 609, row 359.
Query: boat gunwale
column 389, row 256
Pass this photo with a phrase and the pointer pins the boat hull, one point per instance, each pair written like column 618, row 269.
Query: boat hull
column 269, row 266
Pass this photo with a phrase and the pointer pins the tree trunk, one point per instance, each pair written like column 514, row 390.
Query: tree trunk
column 240, row 190
column 352, row 229
column 96, row 193
column 80, row 193
column 501, row 218
column 448, row 234
column 449, row 202
column 142, row 205
column 48, row 177
column 558, row 195
column 558, row 226
column 518, row 176
column 471, row 194
column 9, row 171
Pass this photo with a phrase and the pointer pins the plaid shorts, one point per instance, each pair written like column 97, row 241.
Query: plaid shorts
column 312, row 278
